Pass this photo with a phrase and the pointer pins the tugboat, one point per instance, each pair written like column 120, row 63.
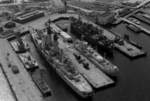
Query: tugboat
column 29, row 62
column 47, row 44
column 102, row 63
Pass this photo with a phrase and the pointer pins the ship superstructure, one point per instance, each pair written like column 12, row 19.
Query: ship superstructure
column 46, row 42
column 102, row 63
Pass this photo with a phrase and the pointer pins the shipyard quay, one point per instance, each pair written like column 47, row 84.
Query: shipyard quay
column 74, row 50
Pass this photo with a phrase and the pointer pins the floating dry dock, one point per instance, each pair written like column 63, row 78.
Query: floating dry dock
column 126, row 48
column 21, row 82
column 130, row 50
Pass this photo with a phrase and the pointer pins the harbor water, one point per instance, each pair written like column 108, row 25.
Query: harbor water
column 132, row 83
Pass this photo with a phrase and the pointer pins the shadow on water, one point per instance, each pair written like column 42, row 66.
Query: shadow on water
column 109, row 55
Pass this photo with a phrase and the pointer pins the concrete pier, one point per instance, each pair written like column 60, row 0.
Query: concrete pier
column 130, row 50
column 142, row 28
column 21, row 82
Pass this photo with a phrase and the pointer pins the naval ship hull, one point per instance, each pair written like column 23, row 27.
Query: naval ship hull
column 92, row 74
column 103, row 64
column 77, row 87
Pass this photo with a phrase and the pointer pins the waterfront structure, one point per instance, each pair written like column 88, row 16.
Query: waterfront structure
column 134, row 28
column 86, row 50
column 21, row 83
column 59, row 62
column 118, row 42
column 102, row 63
column 86, row 67
column 89, row 70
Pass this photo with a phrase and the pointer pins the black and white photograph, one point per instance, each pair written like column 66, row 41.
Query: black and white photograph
column 74, row 50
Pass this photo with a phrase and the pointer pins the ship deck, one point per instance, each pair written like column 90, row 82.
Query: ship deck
column 127, row 48
column 130, row 50
column 94, row 76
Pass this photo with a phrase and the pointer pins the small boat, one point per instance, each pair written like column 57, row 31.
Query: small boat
column 60, row 63
column 134, row 28
column 107, row 66
column 29, row 62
